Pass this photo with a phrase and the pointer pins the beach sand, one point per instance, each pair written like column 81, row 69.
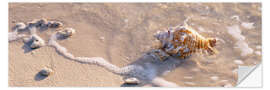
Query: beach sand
column 122, row 32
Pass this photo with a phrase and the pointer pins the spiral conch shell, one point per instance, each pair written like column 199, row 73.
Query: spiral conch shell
column 182, row 41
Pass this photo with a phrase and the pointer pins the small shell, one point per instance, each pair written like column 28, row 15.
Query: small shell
column 46, row 71
column 37, row 42
column 67, row 32
column 20, row 26
column 132, row 81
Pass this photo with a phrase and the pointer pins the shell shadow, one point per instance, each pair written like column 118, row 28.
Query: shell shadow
column 26, row 47
column 156, row 68
column 39, row 77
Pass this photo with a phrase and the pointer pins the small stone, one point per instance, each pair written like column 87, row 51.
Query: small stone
column 238, row 62
column 215, row 78
column 132, row 81
column 45, row 71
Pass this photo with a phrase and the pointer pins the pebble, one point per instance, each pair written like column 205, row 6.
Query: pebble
column 238, row 62
column 215, row 78
column 45, row 71
column 132, row 81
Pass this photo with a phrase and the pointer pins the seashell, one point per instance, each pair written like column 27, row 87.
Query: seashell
column 67, row 32
column 182, row 41
column 20, row 26
column 37, row 42
column 132, row 81
column 55, row 24
column 46, row 71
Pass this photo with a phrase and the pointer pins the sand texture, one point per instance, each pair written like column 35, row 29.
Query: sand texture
column 112, row 41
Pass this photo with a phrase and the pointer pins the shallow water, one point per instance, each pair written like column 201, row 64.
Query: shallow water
column 127, row 32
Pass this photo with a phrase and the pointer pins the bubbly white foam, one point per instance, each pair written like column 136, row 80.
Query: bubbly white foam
column 235, row 32
column 146, row 72
column 247, row 25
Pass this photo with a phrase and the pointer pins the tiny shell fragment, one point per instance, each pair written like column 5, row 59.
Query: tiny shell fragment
column 132, row 81
column 20, row 26
column 37, row 42
column 46, row 71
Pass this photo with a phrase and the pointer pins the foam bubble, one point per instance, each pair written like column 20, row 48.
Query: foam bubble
column 247, row 25
column 235, row 32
